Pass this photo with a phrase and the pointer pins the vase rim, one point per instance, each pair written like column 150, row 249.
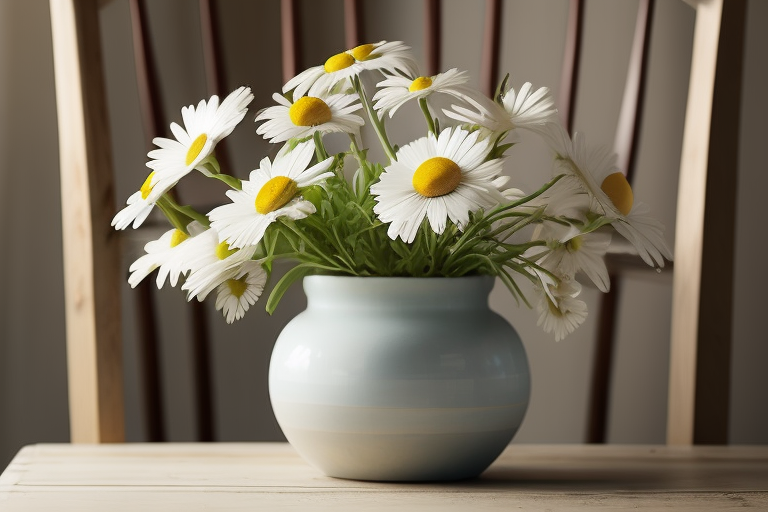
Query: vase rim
column 479, row 277
column 416, row 291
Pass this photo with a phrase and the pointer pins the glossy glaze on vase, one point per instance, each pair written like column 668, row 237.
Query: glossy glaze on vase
column 399, row 379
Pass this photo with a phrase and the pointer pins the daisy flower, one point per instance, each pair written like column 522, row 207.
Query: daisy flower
column 390, row 57
column 307, row 115
column 395, row 91
column 141, row 202
column 559, row 309
column 272, row 191
column 524, row 109
column 211, row 263
column 572, row 251
column 204, row 127
column 163, row 254
column 439, row 178
column 595, row 171
column 235, row 295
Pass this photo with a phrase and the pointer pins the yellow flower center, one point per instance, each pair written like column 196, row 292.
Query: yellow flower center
column 553, row 308
column 338, row 62
column 436, row 177
column 421, row 83
column 237, row 286
column 146, row 187
column 309, row 111
column 275, row 194
column 617, row 188
column 363, row 51
column 223, row 251
column 574, row 244
column 177, row 237
column 195, row 148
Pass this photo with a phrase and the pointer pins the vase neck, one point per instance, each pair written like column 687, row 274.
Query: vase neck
column 398, row 292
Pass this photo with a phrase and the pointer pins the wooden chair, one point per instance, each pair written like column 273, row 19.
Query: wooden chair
column 700, row 343
column 700, row 340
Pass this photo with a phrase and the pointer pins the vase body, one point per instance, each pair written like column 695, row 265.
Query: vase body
column 399, row 379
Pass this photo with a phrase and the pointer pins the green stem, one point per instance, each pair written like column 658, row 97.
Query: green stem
column 333, row 238
column 525, row 199
column 320, row 152
column 378, row 126
column 365, row 173
column 428, row 115
column 187, row 211
column 233, row 182
column 177, row 219
column 320, row 254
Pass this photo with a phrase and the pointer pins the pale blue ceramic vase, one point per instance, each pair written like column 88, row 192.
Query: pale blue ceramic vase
column 399, row 379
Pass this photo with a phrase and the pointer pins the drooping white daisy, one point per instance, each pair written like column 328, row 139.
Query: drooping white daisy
column 595, row 171
column 572, row 251
column 559, row 309
column 390, row 57
column 309, row 114
column 163, row 254
column 211, row 263
column 440, row 178
column 204, row 127
column 272, row 191
column 235, row 295
column 140, row 203
column 395, row 91
column 524, row 109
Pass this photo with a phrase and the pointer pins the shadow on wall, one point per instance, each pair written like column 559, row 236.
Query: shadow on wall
column 33, row 399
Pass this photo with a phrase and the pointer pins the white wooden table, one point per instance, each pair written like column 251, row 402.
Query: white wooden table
column 270, row 476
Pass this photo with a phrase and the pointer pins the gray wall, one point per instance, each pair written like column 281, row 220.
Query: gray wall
column 33, row 402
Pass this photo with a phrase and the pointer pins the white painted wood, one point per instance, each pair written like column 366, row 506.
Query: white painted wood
column 256, row 476
column 689, row 231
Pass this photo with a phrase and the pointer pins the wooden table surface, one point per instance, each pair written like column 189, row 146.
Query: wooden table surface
column 271, row 476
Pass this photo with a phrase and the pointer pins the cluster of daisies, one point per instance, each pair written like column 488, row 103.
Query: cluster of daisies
column 440, row 205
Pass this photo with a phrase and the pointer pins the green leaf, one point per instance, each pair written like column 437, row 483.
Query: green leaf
column 285, row 282
column 314, row 195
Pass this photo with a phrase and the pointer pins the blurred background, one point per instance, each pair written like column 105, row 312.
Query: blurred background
column 33, row 397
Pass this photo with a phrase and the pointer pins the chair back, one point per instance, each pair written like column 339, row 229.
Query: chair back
column 699, row 339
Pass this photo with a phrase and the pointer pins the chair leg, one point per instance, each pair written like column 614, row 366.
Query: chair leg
column 201, row 360
column 597, row 419
column 149, row 355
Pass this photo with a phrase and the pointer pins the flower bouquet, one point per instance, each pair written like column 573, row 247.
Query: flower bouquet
column 440, row 205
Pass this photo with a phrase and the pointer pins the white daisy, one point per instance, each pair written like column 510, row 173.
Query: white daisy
column 595, row 171
column 211, row 263
column 559, row 309
column 572, row 251
column 272, row 191
column 524, row 109
column 140, row 203
column 395, row 91
column 390, row 57
column 308, row 115
column 235, row 295
column 163, row 254
column 439, row 178
column 204, row 127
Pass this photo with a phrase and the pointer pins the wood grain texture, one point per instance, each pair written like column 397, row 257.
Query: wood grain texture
column 266, row 476
column 91, row 249
column 689, row 231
